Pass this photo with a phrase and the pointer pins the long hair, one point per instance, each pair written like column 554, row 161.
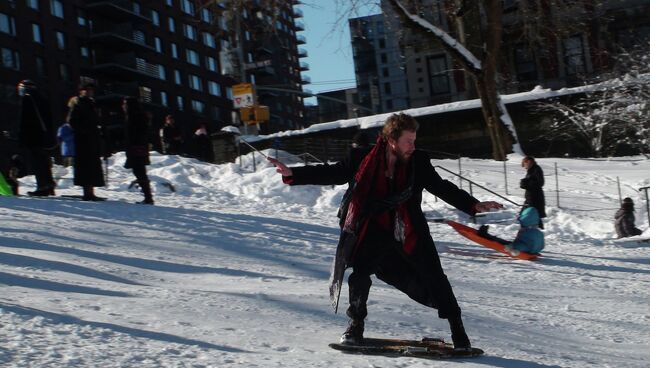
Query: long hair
column 396, row 124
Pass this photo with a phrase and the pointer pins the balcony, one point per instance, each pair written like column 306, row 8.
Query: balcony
column 304, row 66
column 301, row 40
column 299, row 26
column 297, row 13
column 302, row 53
column 121, row 10
column 116, row 91
column 122, row 37
column 126, row 67
column 305, row 79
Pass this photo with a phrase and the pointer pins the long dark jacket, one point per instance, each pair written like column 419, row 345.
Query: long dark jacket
column 137, row 144
column 533, row 183
column 36, row 129
column 425, row 177
column 624, row 223
column 88, row 141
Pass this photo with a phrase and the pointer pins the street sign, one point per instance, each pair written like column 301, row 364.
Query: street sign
column 243, row 95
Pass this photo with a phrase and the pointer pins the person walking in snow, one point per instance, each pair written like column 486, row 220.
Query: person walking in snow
column 36, row 134
column 624, row 220
column 137, row 146
column 384, row 231
column 533, row 183
column 172, row 137
column 83, row 119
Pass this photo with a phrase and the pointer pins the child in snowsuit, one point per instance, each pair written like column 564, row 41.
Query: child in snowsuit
column 624, row 220
column 529, row 238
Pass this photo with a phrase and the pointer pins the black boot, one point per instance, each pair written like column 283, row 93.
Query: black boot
column 146, row 190
column 353, row 335
column 40, row 192
column 458, row 335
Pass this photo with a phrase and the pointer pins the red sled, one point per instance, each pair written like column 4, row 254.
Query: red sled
column 489, row 241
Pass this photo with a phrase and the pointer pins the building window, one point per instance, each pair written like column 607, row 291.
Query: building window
column 85, row 52
column 192, row 57
column 41, row 70
column 36, row 33
column 82, row 19
column 171, row 24
column 155, row 18
column 198, row 106
column 525, row 63
column 64, row 72
column 177, row 77
column 208, row 40
column 139, row 37
column 438, row 74
column 158, row 43
column 164, row 99
column 190, row 32
column 60, row 40
column 56, row 8
column 174, row 51
column 7, row 24
column 32, row 4
column 161, row 72
column 137, row 9
column 206, row 16
column 187, row 7
column 10, row 59
column 383, row 58
column 195, row 83
column 229, row 93
column 180, row 104
column 169, row 2
column 214, row 88
column 387, row 88
column 574, row 56
column 382, row 43
column 384, row 72
column 211, row 64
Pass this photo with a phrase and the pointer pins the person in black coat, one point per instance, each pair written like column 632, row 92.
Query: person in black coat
column 624, row 220
column 384, row 231
column 36, row 133
column 533, row 183
column 172, row 137
column 84, row 121
column 137, row 145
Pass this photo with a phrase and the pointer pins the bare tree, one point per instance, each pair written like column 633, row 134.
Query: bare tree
column 614, row 114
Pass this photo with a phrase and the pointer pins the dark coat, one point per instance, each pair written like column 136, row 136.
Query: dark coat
column 137, row 144
column 88, row 143
column 624, row 223
column 408, row 276
column 36, row 129
column 533, row 183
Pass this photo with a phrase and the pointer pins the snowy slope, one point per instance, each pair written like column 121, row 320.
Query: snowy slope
column 232, row 268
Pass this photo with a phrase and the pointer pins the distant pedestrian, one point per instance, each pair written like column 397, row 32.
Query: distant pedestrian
column 202, row 143
column 84, row 121
column 624, row 220
column 172, row 137
column 65, row 136
column 533, row 183
column 36, row 134
column 137, row 145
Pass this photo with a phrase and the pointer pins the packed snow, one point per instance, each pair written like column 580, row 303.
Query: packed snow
column 231, row 269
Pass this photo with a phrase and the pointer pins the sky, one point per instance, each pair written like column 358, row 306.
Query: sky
column 328, row 44
column 231, row 270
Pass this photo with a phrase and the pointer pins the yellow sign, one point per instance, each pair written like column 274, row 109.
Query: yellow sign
column 243, row 95
column 254, row 114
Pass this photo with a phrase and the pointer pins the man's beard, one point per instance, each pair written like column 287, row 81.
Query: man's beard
column 402, row 157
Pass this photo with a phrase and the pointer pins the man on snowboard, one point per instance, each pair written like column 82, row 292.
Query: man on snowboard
column 384, row 231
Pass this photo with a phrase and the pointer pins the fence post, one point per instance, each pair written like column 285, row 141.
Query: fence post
column 618, row 184
column 505, row 176
column 254, row 164
column 557, row 187
column 647, row 203
column 241, row 164
column 470, row 189
column 460, row 175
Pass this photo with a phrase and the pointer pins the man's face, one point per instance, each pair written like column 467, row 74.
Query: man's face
column 526, row 164
column 404, row 146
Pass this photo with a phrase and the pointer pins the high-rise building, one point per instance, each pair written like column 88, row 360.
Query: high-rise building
column 170, row 53
column 378, row 66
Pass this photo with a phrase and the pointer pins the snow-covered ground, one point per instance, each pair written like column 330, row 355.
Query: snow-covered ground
column 232, row 269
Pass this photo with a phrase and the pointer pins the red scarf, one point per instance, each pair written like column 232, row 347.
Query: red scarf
column 371, row 184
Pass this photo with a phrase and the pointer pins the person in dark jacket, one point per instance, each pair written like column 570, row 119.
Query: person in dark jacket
column 36, row 133
column 83, row 119
column 137, row 145
column 172, row 137
column 384, row 231
column 533, row 183
column 624, row 220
